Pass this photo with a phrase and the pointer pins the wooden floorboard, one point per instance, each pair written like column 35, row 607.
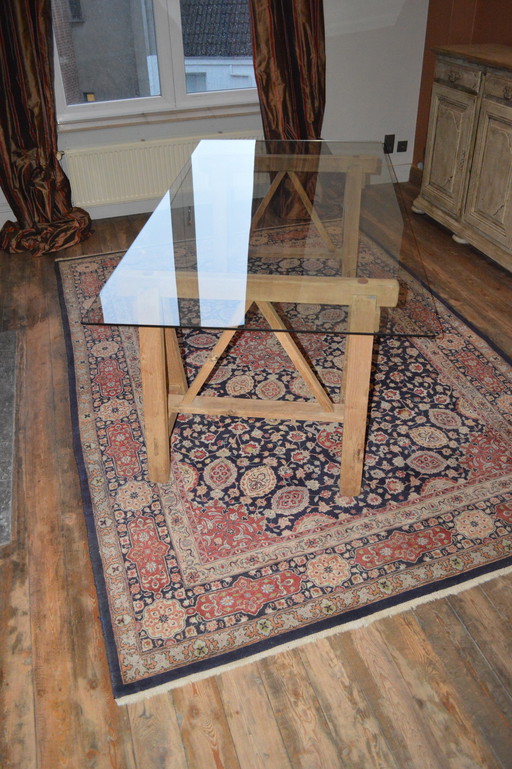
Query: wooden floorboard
column 467, row 671
column 430, row 688
column 17, row 707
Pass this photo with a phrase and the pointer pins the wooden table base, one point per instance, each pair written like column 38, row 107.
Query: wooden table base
column 166, row 393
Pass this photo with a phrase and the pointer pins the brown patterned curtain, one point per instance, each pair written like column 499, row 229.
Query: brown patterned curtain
column 289, row 62
column 31, row 177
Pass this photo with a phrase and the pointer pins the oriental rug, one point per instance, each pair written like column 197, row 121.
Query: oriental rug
column 250, row 547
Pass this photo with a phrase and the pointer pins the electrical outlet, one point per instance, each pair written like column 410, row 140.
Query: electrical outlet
column 401, row 146
column 389, row 144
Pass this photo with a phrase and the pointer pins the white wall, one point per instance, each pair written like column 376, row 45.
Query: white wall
column 374, row 51
column 374, row 58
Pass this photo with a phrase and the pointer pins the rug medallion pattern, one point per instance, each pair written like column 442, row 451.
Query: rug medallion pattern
column 250, row 543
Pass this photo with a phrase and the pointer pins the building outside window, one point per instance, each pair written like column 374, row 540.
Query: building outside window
column 217, row 44
column 126, row 56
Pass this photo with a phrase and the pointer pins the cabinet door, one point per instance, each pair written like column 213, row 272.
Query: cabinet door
column 450, row 133
column 489, row 201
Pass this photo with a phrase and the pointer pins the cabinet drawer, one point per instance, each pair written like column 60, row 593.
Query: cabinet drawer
column 457, row 75
column 498, row 87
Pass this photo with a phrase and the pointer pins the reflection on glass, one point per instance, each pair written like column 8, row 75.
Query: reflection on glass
column 223, row 177
column 304, row 226
column 142, row 289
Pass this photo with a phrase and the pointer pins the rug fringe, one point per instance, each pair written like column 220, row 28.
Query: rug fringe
column 130, row 699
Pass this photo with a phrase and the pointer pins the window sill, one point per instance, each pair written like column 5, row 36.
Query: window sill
column 69, row 123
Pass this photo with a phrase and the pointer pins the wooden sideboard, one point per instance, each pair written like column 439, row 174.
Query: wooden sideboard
column 467, row 177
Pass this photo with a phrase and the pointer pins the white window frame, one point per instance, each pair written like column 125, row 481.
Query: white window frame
column 174, row 100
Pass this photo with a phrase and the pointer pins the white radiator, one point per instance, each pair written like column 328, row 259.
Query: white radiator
column 122, row 173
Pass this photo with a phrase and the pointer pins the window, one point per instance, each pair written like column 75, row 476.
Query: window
column 196, row 81
column 217, row 36
column 144, row 56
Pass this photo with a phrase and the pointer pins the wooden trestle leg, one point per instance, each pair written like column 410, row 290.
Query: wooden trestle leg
column 364, row 315
column 153, row 371
column 176, row 378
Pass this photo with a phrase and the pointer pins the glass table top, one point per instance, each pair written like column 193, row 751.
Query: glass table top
column 303, row 227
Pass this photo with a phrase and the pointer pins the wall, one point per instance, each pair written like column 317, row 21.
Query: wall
column 493, row 22
column 374, row 60
column 451, row 22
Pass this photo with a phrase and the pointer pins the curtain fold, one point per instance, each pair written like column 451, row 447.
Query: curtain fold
column 31, row 176
column 289, row 62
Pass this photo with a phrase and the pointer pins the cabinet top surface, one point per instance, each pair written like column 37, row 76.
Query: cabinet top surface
column 490, row 54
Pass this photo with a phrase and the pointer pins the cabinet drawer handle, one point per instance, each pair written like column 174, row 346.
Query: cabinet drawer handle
column 507, row 93
column 453, row 76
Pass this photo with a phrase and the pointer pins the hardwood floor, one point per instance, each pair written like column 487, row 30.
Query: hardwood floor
column 427, row 689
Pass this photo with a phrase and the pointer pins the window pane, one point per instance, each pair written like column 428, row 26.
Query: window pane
column 217, row 45
column 106, row 48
